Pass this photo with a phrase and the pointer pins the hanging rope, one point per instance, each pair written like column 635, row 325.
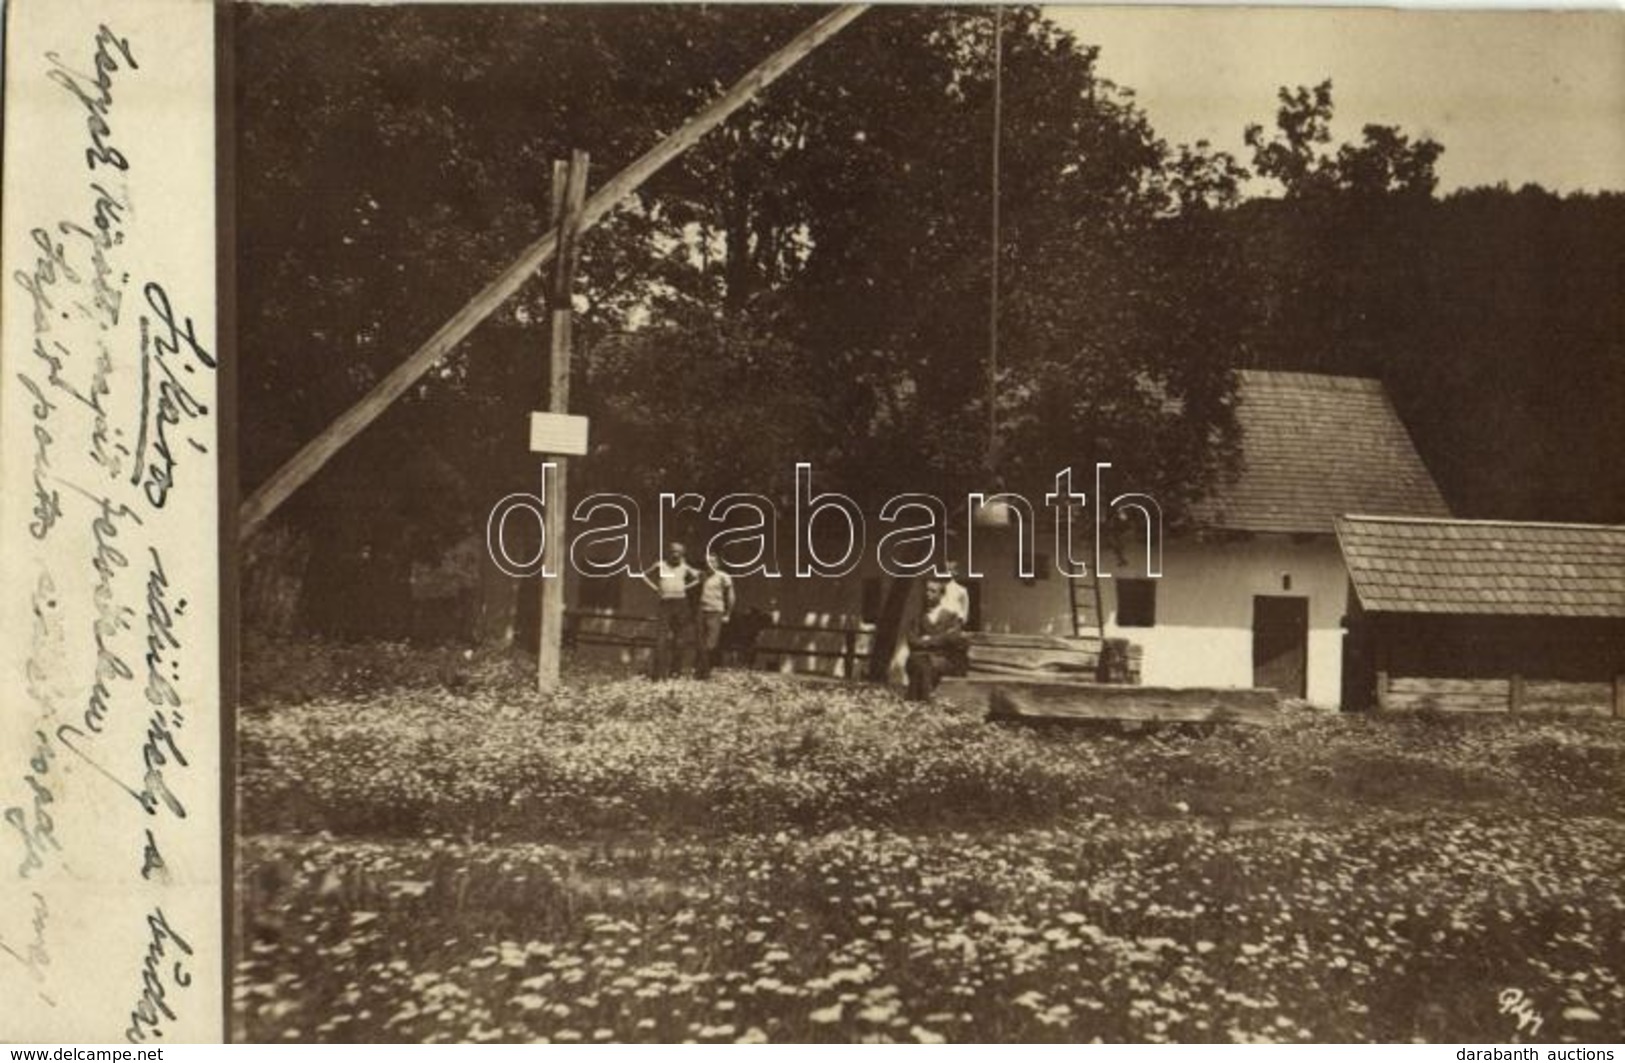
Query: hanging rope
column 993, row 295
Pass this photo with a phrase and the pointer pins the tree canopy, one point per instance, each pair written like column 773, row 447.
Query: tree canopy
column 1491, row 315
column 812, row 282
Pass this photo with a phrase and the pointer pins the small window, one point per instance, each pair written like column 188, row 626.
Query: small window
column 1136, row 602
column 599, row 592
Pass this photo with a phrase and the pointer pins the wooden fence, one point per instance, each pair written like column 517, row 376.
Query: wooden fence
column 1503, row 694
column 843, row 648
column 775, row 646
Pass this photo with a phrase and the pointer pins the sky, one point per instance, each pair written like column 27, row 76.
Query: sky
column 1512, row 96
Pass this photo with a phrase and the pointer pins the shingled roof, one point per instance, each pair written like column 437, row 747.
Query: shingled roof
column 1485, row 567
column 1316, row 447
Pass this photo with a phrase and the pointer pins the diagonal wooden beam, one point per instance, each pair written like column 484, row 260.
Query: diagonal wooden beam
column 315, row 454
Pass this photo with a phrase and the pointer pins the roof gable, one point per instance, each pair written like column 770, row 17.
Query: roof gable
column 1484, row 567
column 1313, row 448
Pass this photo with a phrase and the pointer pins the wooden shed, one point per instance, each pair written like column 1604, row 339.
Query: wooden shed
column 1485, row 616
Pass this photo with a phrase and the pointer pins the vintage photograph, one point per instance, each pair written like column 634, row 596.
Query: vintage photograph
column 925, row 523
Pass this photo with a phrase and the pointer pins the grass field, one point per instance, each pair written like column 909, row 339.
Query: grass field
column 429, row 850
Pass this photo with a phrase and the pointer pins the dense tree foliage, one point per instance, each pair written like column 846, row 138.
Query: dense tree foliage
column 1385, row 162
column 1492, row 315
column 812, row 282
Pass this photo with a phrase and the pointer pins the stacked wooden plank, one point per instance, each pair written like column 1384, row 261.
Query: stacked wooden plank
column 991, row 653
column 995, row 653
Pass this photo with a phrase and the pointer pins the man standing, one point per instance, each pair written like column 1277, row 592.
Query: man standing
column 716, row 606
column 672, row 578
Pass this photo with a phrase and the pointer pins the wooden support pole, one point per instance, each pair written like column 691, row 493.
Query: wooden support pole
column 315, row 454
column 1381, row 638
column 569, row 196
column 1100, row 600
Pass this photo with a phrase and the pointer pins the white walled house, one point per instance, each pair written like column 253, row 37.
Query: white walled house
column 1260, row 610
column 1258, row 595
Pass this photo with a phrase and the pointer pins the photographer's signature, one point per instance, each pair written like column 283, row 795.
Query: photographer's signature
column 1515, row 1003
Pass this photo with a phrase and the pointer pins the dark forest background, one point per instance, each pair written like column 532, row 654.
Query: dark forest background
column 811, row 282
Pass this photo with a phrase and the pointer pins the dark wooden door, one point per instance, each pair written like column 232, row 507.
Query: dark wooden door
column 1281, row 644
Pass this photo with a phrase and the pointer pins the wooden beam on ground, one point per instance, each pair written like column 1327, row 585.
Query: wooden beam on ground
column 1011, row 698
column 318, row 452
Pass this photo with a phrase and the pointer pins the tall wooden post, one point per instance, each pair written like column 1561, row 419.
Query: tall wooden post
column 569, row 195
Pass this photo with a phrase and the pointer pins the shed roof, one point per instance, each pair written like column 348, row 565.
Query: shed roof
column 1485, row 567
column 1315, row 447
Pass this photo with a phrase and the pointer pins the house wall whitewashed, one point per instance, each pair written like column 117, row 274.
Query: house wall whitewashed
column 1203, row 630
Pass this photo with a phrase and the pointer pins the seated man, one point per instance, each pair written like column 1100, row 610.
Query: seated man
column 936, row 637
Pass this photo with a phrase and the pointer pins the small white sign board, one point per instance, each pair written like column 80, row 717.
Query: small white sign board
column 558, row 433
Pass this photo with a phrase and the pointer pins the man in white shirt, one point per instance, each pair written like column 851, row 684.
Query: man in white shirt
column 672, row 578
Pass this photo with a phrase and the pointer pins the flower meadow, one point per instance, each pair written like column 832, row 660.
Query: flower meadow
column 429, row 850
